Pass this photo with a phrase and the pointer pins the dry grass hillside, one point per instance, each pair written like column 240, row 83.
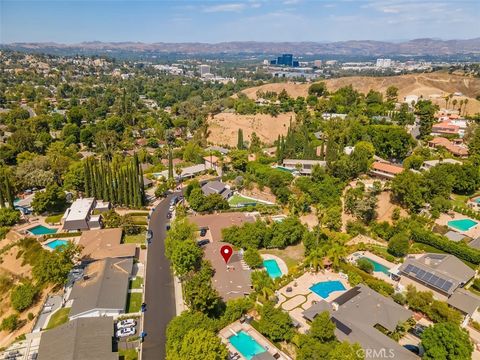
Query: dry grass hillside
column 223, row 128
column 432, row 86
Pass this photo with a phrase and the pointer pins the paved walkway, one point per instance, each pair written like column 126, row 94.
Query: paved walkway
column 55, row 302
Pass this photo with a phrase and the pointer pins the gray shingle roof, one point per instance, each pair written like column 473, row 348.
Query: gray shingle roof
column 442, row 266
column 316, row 309
column 216, row 187
column 79, row 339
column 104, row 286
column 475, row 243
column 465, row 301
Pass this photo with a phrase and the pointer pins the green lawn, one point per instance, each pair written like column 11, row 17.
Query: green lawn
column 292, row 255
column 134, row 302
column 53, row 219
column 239, row 199
column 130, row 354
column 136, row 283
column 58, row 318
column 134, row 239
column 459, row 200
column 417, row 248
column 140, row 220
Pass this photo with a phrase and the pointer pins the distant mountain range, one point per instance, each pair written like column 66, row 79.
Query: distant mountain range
column 417, row 47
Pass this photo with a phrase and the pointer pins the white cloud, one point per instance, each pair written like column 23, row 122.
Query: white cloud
column 233, row 7
column 290, row 2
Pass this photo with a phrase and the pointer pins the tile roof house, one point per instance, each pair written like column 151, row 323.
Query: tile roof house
column 217, row 187
column 103, row 289
column 385, row 170
column 79, row 339
column 443, row 273
column 451, row 147
column 355, row 314
column 104, row 243
column 445, row 128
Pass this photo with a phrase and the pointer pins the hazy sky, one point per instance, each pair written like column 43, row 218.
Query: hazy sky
column 72, row 21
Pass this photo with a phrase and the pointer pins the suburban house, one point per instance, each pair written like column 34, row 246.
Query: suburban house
column 85, row 338
column 79, row 216
column 467, row 303
column 213, row 162
column 427, row 165
column 103, row 289
column 385, row 170
column 446, row 128
column 187, row 172
column 475, row 243
column 219, row 149
column 217, row 187
column 304, row 167
column 450, row 146
column 474, row 203
column 358, row 313
column 104, row 243
column 440, row 273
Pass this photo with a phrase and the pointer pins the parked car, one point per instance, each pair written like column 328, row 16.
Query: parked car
column 149, row 235
column 167, row 227
column 126, row 323
column 126, row 332
column 171, row 208
column 169, row 215
column 203, row 242
column 203, row 232
column 413, row 348
column 418, row 330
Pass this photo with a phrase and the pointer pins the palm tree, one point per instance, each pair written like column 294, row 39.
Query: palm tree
column 336, row 253
column 454, row 103
column 263, row 285
column 465, row 102
column 178, row 171
column 446, row 101
column 315, row 259
column 460, row 108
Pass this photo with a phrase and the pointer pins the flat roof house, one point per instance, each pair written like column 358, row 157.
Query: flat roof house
column 385, row 170
column 104, row 243
column 427, row 165
column 442, row 273
column 103, row 289
column 79, row 216
column 356, row 314
column 304, row 167
column 79, row 339
column 217, row 187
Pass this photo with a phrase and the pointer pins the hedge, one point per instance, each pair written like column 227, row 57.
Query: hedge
column 61, row 235
column 371, row 281
column 460, row 250
column 467, row 212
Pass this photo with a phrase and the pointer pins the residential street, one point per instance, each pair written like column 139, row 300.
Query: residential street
column 159, row 287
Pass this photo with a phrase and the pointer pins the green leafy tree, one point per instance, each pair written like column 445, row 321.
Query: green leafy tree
column 408, row 190
column 322, row 328
column 274, row 323
column 399, row 244
column 185, row 257
column 198, row 292
column 365, row 265
column 446, row 341
column 53, row 267
column 9, row 216
column 23, row 296
column 252, row 258
column 53, row 199
column 10, row 323
column 199, row 341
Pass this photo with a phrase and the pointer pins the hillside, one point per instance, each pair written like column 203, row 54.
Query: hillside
column 432, row 86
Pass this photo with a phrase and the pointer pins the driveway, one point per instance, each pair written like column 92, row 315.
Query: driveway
column 159, row 287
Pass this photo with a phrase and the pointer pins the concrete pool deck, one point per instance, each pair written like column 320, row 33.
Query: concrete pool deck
column 473, row 232
column 237, row 327
column 301, row 297
column 281, row 264
column 367, row 254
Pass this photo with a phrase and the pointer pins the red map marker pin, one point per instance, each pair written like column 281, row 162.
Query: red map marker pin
column 226, row 251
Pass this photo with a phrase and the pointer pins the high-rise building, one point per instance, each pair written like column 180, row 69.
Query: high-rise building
column 285, row 60
column 384, row 63
column 204, row 69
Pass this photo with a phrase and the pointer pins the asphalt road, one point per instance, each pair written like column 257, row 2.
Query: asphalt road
column 159, row 288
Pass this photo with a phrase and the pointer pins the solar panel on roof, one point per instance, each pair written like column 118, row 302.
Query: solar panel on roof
column 447, row 286
column 408, row 268
column 439, row 283
column 434, row 280
column 420, row 274
column 427, row 277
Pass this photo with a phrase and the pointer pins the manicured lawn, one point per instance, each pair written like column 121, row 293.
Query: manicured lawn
column 130, row 354
column 239, row 199
column 136, row 283
column 139, row 220
column 134, row 239
column 58, row 318
column 459, row 200
column 418, row 248
column 292, row 255
column 134, row 302
column 53, row 219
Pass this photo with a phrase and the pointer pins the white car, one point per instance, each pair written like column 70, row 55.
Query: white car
column 126, row 332
column 126, row 323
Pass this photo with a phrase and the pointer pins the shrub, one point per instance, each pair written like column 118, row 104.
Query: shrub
column 399, row 244
column 365, row 265
column 476, row 284
column 252, row 258
column 10, row 323
column 23, row 296
column 30, row 316
column 9, row 216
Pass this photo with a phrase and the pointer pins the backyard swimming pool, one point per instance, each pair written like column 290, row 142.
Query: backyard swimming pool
column 41, row 230
column 56, row 243
column 462, row 224
column 272, row 268
column 246, row 345
column 325, row 288
column 377, row 266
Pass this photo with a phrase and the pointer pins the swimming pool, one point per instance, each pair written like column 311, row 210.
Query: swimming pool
column 377, row 267
column 56, row 243
column 462, row 224
column 285, row 169
column 325, row 288
column 246, row 345
column 272, row 268
column 41, row 230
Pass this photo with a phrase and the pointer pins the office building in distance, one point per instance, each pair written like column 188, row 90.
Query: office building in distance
column 285, row 60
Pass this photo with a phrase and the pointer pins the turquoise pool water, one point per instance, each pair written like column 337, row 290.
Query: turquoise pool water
column 377, row 266
column 41, row 230
column 325, row 288
column 284, row 169
column 477, row 200
column 462, row 224
column 246, row 345
column 272, row 268
column 56, row 243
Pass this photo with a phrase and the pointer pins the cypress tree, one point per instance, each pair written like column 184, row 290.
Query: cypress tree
column 9, row 192
column 240, row 142
column 2, row 197
column 170, row 163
